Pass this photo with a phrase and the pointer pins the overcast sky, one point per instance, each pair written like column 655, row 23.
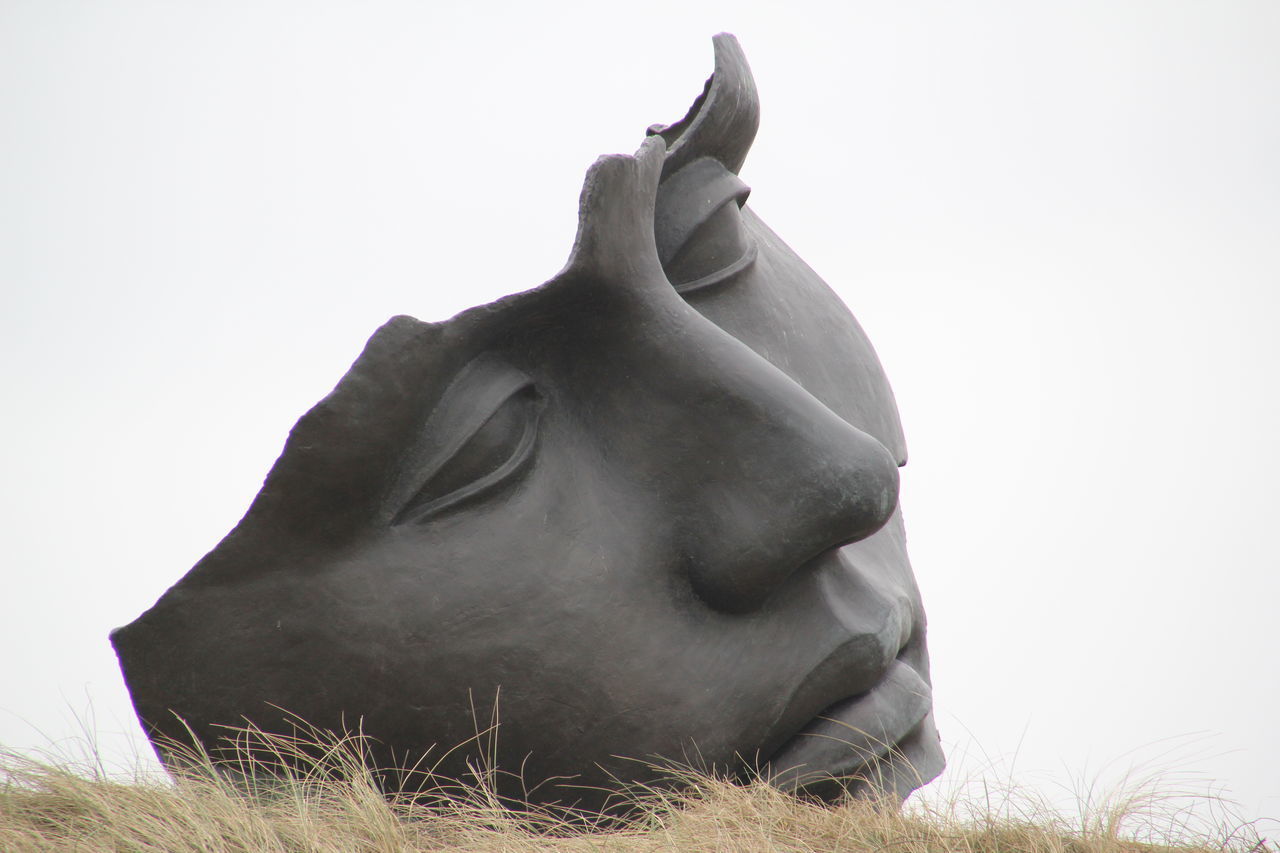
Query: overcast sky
column 1058, row 222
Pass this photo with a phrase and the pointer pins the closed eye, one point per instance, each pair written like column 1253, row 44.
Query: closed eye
column 701, row 237
column 480, row 437
column 717, row 252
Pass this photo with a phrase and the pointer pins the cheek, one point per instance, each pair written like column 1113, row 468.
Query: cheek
column 565, row 552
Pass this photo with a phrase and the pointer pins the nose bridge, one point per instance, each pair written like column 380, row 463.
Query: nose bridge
column 773, row 478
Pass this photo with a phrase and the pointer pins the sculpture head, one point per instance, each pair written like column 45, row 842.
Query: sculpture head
column 654, row 521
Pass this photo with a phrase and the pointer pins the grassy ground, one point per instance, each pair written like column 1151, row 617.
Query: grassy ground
column 334, row 805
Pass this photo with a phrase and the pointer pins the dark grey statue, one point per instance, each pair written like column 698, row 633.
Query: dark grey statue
column 650, row 508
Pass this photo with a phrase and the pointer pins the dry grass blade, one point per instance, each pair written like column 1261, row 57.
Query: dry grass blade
column 316, row 792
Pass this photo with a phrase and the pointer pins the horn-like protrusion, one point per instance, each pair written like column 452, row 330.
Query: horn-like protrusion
column 722, row 122
column 615, row 216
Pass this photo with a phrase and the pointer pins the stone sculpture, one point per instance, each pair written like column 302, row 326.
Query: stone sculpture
column 649, row 507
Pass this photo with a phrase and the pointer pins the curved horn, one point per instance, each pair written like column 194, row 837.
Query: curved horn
column 723, row 120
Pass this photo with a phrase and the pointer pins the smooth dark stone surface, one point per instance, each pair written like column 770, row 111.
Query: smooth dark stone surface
column 649, row 509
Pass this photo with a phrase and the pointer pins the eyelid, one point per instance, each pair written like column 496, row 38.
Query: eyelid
column 477, row 393
column 688, row 198
column 724, row 274
column 421, row 507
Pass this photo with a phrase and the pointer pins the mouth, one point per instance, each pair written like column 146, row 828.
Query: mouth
column 881, row 741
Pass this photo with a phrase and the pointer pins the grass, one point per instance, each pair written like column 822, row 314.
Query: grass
column 326, row 799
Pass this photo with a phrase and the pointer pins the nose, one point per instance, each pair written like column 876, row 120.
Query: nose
column 771, row 478
column 759, row 476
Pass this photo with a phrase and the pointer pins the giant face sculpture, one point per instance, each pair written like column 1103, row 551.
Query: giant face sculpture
column 650, row 507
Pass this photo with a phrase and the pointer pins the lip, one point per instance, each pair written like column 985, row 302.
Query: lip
column 853, row 734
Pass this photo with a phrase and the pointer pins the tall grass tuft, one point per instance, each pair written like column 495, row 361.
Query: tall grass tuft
column 319, row 794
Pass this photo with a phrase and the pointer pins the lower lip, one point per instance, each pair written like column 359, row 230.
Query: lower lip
column 854, row 732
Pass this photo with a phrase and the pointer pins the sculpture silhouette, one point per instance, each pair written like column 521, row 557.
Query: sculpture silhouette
column 651, row 505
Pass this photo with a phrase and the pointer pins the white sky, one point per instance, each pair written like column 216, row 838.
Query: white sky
column 1058, row 222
